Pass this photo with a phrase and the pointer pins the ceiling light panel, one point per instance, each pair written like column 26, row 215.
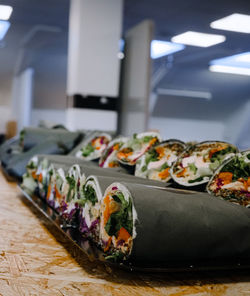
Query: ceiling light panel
column 235, row 22
column 235, row 64
column 161, row 48
column 229, row 70
column 4, row 26
column 198, row 39
column 241, row 60
column 5, row 12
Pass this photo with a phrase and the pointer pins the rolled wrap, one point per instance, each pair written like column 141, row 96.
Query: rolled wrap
column 155, row 163
column 8, row 149
column 16, row 167
column 135, row 147
column 89, row 217
column 196, row 165
column 109, row 158
column 89, row 168
column 173, row 227
column 231, row 180
column 73, row 193
column 33, row 136
column 93, row 146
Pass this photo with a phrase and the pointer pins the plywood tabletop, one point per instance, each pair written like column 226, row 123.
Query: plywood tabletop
column 36, row 259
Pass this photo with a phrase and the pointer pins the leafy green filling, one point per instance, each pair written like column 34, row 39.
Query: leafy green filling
column 87, row 150
column 31, row 165
column 220, row 155
column 151, row 155
column 115, row 257
column 90, row 194
column 121, row 218
column 195, row 180
column 238, row 167
column 192, row 167
column 72, row 183
column 146, row 139
column 248, row 156
column 164, row 166
column 214, row 165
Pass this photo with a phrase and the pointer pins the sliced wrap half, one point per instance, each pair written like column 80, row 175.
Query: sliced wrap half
column 146, row 226
column 231, row 180
column 156, row 162
column 109, row 155
column 72, row 193
column 197, row 163
column 94, row 146
column 137, row 146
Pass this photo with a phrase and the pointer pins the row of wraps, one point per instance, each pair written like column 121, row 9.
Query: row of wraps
column 137, row 220
column 187, row 164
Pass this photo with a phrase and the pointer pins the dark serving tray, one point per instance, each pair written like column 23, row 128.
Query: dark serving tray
column 93, row 252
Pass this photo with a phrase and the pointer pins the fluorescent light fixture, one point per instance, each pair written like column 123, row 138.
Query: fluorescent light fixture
column 185, row 93
column 230, row 70
column 235, row 64
column 4, row 26
column 161, row 48
column 235, row 22
column 198, row 39
column 5, row 12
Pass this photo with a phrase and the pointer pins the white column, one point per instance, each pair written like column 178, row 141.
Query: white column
column 22, row 95
column 93, row 64
column 136, row 79
column 94, row 34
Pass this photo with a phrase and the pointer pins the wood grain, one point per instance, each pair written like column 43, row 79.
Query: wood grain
column 36, row 259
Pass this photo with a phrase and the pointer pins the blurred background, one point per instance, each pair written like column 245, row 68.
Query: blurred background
column 180, row 67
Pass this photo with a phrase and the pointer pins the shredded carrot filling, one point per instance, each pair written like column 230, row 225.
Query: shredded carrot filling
column 93, row 141
column 226, row 177
column 152, row 142
column 124, row 153
column 106, row 212
column 113, row 164
column 160, row 151
column 116, row 147
column 212, row 151
column 108, row 245
column 181, row 173
column 49, row 191
column 58, row 194
column 34, row 176
column 245, row 182
column 123, row 235
column 40, row 178
column 164, row 174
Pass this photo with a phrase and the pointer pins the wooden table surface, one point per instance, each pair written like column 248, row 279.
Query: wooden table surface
column 36, row 259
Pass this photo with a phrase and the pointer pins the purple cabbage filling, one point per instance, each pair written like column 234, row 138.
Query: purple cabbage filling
column 219, row 183
column 84, row 227
column 120, row 242
column 51, row 203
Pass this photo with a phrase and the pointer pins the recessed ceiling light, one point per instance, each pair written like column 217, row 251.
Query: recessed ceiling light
column 235, row 22
column 235, row 64
column 198, row 39
column 229, row 69
column 161, row 48
column 5, row 12
column 4, row 26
